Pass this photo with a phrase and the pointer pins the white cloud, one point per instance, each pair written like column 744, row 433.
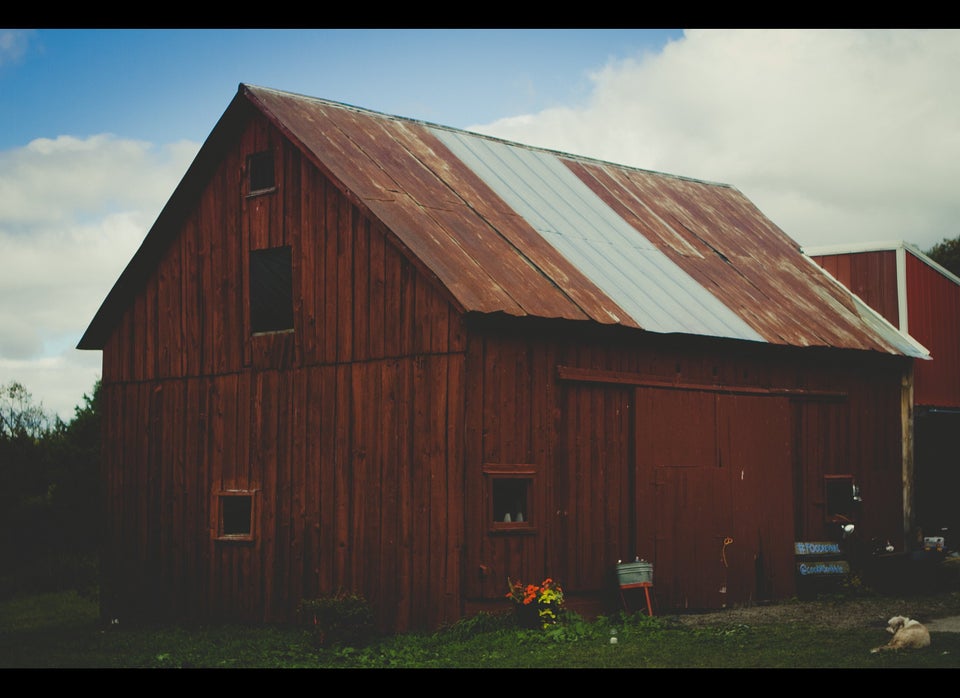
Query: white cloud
column 72, row 213
column 85, row 179
column 13, row 44
column 837, row 135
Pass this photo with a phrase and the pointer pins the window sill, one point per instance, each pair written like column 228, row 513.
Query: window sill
column 513, row 529
column 267, row 333
column 234, row 539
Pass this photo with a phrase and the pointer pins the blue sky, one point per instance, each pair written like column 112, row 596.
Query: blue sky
column 166, row 85
column 838, row 136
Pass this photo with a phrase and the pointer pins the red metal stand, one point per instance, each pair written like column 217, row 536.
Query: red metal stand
column 646, row 586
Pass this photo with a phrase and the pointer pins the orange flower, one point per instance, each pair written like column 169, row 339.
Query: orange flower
column 546, row 598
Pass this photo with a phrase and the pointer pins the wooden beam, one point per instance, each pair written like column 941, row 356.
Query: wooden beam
column 906, row 446
column 589, row 375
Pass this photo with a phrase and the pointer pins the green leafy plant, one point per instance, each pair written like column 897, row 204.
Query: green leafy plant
column 63, row 630
column 537, row 605
column 343, row 619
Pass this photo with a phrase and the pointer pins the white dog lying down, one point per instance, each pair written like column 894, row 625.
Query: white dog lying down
column 907, row 634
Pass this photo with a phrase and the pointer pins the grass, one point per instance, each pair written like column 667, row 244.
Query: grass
column 61, row 630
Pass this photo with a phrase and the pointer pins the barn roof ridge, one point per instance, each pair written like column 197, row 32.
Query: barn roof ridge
column 506, row 141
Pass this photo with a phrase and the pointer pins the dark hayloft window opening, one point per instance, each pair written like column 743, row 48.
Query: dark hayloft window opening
column 271, row 290
column 511, row 500
column 842, row 497
column 260, row 170
column 236, row 516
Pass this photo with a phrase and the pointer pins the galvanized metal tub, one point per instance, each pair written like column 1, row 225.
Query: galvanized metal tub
column 635, row 572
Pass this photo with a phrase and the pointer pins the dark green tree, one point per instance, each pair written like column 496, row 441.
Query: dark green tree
column 946, row 253
column 75, row 472
column 24, row 463
column 49, row 493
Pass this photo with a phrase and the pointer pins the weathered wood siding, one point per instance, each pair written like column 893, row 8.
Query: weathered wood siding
column 370, row 435
column 706, row 458
column 933, row 304
column 871, row 275
column 346, row 428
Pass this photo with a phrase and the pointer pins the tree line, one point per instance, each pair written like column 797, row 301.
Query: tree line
column 946, row 253
column 49, row 493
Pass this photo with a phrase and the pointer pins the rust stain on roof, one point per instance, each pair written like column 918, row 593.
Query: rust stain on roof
column 723, row 241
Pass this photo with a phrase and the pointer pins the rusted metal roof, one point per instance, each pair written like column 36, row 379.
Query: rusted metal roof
column 527, row 231
column 653, row 291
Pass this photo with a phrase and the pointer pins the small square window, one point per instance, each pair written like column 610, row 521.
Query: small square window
column 271, row 290
column 842, row 497
column 260, row 171
column 510, row 492
column 235, row 515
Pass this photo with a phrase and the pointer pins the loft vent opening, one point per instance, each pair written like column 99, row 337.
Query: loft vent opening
column 260, row 171
column 271, row 290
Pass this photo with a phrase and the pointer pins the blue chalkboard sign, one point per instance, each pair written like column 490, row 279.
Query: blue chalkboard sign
column 823, row 568
column 820, row 559
column 817, row 548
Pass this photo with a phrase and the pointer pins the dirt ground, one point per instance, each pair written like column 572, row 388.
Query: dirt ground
column 861, row 610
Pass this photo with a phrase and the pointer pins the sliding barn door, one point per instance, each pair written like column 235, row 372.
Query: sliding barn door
column 714, row 495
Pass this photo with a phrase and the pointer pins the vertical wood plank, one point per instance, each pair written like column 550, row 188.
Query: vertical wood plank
column 362, row 315
column 365, row 489
column 406, row 505
column 327, row 463
column 307, row 249
column 376, row 271
column 387, row 424
column 342, row 484
column 478, row 572
column 393, row 293
column 191, row 297
column 266, row 467
column 298, row 481
column 421, row 475
column 451, row 545
column 331, row 278
column 312, row 430
column 345, row 288
column 277, row 570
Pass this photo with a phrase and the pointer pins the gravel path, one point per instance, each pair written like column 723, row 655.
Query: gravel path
column 939, row 611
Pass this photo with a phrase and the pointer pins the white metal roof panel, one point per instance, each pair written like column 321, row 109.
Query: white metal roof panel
column 615, row 256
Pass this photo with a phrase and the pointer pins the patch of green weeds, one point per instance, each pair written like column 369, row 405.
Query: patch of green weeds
column 62, row 631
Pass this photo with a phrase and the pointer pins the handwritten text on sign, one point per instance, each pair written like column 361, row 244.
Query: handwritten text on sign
column 823, row 569
column 816, row 548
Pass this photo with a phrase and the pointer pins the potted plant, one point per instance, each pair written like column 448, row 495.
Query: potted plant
column 536, row 605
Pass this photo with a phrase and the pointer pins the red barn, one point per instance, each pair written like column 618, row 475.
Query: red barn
column 368, row 353
column 922, row 298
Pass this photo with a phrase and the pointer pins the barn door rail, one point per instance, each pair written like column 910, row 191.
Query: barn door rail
column 592, row 375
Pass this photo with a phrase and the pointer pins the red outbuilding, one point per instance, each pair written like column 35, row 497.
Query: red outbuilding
column 921, row 298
